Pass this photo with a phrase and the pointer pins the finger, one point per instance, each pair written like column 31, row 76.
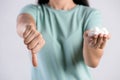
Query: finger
column 34, row 59
column 91, row 43
column 90, row 40
column 86, row 33
column 34, row 42
column 95, row 39
column 27, row 31
column 30, row 37
column 38, row 47
column 109, row 36
column 99, row 41
column 104, row 41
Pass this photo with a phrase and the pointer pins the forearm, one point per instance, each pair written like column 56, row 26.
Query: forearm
column 26, row 28
column 92, row 55
column 23, row 21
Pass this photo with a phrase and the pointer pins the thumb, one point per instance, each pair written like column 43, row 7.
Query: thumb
column 86, row 33
column 34, row 59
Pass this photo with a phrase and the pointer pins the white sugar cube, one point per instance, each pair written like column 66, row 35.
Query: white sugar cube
column 94, row 31
column 97, row 30
column 104, row 31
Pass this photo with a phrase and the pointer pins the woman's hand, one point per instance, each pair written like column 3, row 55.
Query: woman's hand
column 26, row 28
column 34, row 41
column 93, row 48
column 96, row 41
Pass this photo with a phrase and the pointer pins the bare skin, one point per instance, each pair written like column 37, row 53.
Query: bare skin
column 26, row 28
column 62, row 4
column 93, row 47
column 34, row 41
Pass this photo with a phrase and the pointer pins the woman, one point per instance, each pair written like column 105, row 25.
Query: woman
column 58, row 31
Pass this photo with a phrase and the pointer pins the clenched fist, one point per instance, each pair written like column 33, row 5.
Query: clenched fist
column 34, row 41
column 26, row 28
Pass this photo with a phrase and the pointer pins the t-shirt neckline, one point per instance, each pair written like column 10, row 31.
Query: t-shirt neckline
column 64, row 11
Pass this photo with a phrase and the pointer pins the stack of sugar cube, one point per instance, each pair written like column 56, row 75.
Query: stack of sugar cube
column 97, row 30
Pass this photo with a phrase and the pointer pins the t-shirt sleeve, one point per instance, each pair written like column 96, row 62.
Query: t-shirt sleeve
column 93, row 19
column 30, row 9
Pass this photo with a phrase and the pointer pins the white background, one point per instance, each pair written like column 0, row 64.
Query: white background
column 15, row 61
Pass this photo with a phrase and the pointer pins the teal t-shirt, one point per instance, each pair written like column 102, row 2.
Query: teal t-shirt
column 62, row 56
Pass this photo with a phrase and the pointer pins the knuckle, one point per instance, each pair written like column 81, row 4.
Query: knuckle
column 25, row 41
column 40, row 34
column 33, row 32
column 39, row 38
column 37, row 34
column 24, row 35
column 42, row 42
column 33, row 51
column 28, row 47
